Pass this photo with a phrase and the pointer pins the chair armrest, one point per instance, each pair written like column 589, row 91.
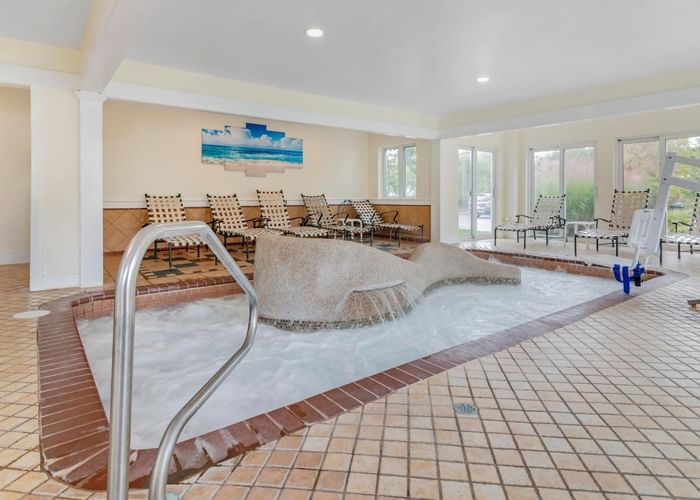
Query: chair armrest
column 598, row 219
column 395, row 212
column 517, row 217
column 677, row 222
column 304, row 220
column 260, row 222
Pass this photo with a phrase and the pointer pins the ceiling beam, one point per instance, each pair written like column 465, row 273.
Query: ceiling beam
column 114, row 25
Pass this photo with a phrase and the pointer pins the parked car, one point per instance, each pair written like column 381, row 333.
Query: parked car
column 483, row 205
column 677, row 204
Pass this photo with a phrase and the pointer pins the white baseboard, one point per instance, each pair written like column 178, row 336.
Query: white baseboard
column 54, row 282
column 14, row 257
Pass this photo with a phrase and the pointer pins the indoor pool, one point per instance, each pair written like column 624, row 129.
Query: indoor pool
column 178, row 348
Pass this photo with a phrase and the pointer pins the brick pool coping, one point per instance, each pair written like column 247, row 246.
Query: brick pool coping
column 73, row 426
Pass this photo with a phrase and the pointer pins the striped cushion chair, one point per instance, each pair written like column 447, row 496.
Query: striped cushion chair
column 166, row 209
column 375, row 220
column 547, row 215
column 624, row 204
column 228, row 221
column 690, row 238
column 321, row 215
column 275, row 215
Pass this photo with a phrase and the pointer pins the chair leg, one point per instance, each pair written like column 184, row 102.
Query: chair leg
column 546, row 237
column 155, row 248
column 617, row 247
column 225, row 241
column 534, row 235
column 398, row 236
column 199, row 249
column 517, row 236
column 495, row 235
column 170, row 256
column 575, row 245
column 691, row 249
column 661, row 252
column 597, row 245
column 524, row 239
column 679, row 251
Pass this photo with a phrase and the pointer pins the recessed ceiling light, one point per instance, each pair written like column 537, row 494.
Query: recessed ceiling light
column 483, row 79
column 314, row 32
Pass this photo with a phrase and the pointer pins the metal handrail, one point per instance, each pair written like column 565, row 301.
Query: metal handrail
column 123, row 358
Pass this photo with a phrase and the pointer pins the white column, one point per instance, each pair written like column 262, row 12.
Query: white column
column 91, row 247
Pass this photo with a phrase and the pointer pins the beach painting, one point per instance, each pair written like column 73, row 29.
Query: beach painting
column 253, row 149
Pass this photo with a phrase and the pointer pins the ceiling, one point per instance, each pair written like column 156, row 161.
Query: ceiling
column 422, row 55
column 53, row 22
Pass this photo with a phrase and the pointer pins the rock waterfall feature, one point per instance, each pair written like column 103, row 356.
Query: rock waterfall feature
column 308, row 284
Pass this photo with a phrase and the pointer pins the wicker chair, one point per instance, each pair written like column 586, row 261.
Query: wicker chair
column 624, row 204
column 546, row 216
column 375, row 221
column 165, row 209
column 274, row 212
column 690, row 238
column 228, row 221
column 321, row 215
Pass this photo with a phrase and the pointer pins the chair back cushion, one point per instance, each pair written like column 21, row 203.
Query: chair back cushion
column 164, row 209
column 319, row 210
column 625, row 203
column 366, row 212
column 227, row 211
column 273, row 208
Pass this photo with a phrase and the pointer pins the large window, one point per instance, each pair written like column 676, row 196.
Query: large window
column 399, row 179
column 570, row 171
column 641, row 164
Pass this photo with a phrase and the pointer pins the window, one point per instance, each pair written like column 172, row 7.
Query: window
column 569, row 171
column 399, row 172
column 640, row 165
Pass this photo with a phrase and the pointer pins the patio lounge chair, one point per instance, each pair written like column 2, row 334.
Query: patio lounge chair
column 273, row 209
column 321, row 215
column 624, row 204
column 375, row 221
column 546, row 216
column 164, row 209
column 691, row 238
column 228, row 221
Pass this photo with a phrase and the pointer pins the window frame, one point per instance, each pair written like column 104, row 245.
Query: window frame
column 531, row 199
column 402, row 172
column 474, row 151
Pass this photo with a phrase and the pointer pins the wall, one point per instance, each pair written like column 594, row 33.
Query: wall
column 156, row 149
column 513, row 150
column 15, row 174
column 55, row 189
column 378, row 142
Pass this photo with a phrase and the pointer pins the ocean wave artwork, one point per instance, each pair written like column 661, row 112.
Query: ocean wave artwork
column 251, row 147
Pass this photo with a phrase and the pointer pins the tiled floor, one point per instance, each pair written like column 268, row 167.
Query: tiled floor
column 607, row 407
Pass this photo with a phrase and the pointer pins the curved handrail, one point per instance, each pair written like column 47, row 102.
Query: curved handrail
column 123, row 356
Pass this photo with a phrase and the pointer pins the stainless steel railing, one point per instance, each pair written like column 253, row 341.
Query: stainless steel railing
column 123, row 357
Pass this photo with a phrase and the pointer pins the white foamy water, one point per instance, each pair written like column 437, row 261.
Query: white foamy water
column 178, row 348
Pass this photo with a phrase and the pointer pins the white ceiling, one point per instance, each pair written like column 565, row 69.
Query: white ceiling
column 422, row 55
column 54, row 22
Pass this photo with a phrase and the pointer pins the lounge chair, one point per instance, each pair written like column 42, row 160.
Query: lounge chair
column 273, row 209
column 228, row 221
column 546, row 216
column 624, row 204
column 321, row 215
column 690, row 238
column 375, row 221
column 165, row 209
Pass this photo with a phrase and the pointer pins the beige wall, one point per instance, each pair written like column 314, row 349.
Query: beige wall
column 15, row 175
column 156, row 149
column 55, row 197
column 513, row 150
column 378, row 142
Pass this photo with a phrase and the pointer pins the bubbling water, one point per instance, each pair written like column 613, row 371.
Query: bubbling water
column 380, row 302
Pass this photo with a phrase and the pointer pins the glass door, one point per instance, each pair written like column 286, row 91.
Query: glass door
column 476, row 192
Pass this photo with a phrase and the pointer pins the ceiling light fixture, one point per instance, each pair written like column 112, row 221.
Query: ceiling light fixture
column 483, row 79
column 314, row 32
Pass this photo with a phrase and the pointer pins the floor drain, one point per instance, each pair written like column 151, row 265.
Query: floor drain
column 466, row 409
column 36, row 313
